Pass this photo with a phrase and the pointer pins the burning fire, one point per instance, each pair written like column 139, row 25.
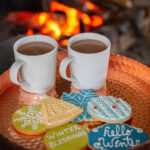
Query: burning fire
column 93, row 7
column 49, row 24
column 29, row 32
column 72, row 25
column 52, row 28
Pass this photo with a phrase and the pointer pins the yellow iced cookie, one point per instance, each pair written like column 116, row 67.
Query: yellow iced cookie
column 67, row 137
column 28, row 120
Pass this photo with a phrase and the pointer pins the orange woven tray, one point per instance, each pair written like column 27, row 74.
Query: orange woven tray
column 126, row 79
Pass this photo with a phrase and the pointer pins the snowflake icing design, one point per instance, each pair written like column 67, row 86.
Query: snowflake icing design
column 81, row 100
column 32, row 117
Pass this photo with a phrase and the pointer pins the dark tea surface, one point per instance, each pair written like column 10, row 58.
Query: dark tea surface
column 35, row 48
column 88, row 46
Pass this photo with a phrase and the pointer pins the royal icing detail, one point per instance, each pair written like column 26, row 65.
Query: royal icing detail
column 116, row 137
column 67, row 137
column 109, row 108
column 80, row 99
column 29, row 118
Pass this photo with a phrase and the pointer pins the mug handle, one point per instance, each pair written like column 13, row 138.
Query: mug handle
column 63, row 66
column 14, row 70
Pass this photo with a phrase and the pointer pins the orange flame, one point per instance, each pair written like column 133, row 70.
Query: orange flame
column 96, row 21
column 52, row 28
column 64, row 42
column 39, row 19
column 49, row 24
column 86, row 19
column 72, row 22
column 93, row 7
column 30, row 32
column 43, row 17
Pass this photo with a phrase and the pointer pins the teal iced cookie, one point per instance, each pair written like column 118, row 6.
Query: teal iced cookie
column 109, row 109
column 116, row 137
column 81, row 100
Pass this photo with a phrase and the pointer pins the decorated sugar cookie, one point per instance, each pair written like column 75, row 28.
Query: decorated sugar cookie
column 116, row 137
column 28, row 120
column 80, row 99
column 57, row 112
column 109, row 109
column 67, row 137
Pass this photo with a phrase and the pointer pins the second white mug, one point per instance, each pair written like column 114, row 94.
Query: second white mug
column 88, row 70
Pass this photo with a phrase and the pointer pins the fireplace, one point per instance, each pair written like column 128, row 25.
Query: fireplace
column 126, row 23
column 61, row 22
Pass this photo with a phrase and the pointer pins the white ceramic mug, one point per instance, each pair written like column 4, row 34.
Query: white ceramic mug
column 37, row 73
column 88, row 70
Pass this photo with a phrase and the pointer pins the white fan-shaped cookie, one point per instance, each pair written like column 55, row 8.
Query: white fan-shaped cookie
column 58, row 112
